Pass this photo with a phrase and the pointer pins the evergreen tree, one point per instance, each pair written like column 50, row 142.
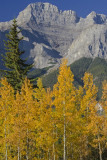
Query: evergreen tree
column 16, row 67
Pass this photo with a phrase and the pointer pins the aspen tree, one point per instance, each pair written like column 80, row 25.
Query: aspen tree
column 23, row 120
column 64, row 100
column 88, row 104
column 98, row 134
column 19, row 131
column 6, row 101
column 100, row 124
column 76, row 136
column 28, row 108
column 44, row 130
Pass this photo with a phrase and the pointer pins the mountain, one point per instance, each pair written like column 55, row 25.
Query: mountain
column 51, row 34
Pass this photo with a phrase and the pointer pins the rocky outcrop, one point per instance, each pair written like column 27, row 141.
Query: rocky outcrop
column 92, row 42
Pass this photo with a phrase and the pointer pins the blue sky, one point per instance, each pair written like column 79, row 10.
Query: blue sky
column 10, row 8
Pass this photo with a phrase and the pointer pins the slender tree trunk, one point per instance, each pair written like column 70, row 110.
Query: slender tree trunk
column 27, row 146
column 6, row 150
column 53, row 145
column 27, row 132
column 18, row 153
column 53, row 151
column 100, row 152
column 40, row 148
column 64, row 139
column 5, row 140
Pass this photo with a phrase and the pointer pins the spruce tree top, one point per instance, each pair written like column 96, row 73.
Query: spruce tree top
column 16, row 67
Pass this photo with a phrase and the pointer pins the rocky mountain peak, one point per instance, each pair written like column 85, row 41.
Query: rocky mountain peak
column 44, row 6
column 48, row 14
column 97, row 18
column 51, row 34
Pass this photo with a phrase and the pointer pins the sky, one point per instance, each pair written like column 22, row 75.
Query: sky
column 10, row 9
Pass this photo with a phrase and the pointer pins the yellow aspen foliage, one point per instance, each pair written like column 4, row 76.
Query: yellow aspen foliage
column 43, row 123
column 18, row 125
column 64, row 102
column 85, row 104
column 100, row 124
column 6, row 101
column 104, row 95
column 23, row 120
column 77, row 137
column 98, row 140
column 94, row 121
column 88, row 103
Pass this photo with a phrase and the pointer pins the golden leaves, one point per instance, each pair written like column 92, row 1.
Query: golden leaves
column 37, row 120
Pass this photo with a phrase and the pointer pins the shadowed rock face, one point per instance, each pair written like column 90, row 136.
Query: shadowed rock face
column 51, row 34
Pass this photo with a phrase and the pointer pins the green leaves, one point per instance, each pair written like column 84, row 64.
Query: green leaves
column 16, row 68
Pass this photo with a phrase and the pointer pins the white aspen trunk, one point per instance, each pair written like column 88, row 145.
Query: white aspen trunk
column 53, row 146
column 64, row 136
column 40, row 148
column 53, row 151
column 87, row 137
column 18, row 153
column 56, row 156
column 64, row 139
column 5, row 140
column 100, row 152
column 5, row 108
column 27, row 146
column 6, row 150
column 27, row 141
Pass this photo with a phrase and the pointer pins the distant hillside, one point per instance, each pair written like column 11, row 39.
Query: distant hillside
column 99, row 70
column 98, row 67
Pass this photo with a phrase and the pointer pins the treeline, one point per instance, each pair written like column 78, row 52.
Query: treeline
column 97, row 67
column 59, row 124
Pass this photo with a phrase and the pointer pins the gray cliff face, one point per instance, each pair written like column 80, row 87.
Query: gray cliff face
column 47, row 14
column 51, row 34
column 92, row 42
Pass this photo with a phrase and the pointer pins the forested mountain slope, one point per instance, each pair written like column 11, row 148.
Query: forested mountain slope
column 98, row 68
